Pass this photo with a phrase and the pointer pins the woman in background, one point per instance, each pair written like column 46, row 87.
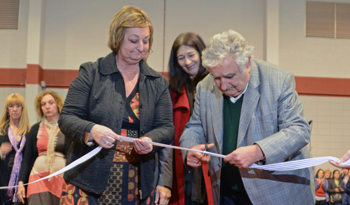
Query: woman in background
column 321, row 187
column 185, row 71
column 335, row 187
column 14, row 124
column 44, row 153
column 327, row 174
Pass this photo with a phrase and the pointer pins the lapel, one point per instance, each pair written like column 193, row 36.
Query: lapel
column 216, row 104
column 250, row 101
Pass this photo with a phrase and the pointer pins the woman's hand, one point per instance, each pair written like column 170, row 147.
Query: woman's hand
column 341, row 160
column 163, row 195
column 21, row 192
column 336, row 190
column 142, row 147
column 104, row 136
column 5, row 148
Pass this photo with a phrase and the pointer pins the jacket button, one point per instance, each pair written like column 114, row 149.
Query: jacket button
column 141, row 106
column 142, row 131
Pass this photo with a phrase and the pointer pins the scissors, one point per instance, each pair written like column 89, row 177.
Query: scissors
column 206, row 149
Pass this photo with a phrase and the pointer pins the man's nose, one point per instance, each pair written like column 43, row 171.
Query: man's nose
column 223, row 85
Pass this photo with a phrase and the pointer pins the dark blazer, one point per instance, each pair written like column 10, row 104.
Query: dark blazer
column 332, row 186
column 30, row 154
column 97, row 95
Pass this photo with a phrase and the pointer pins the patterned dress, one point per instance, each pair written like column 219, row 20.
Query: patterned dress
column 123, row 184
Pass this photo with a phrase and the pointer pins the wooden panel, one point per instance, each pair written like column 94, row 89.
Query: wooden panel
column 9, row 10
column 34, row 74
column 320, row 19
column 323, row 86
column 343, row 20
column 62, row 78
column 12, row 77
column 59, row 78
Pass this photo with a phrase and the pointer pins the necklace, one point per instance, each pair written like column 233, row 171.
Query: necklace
column 131, row 71
column 15, row 134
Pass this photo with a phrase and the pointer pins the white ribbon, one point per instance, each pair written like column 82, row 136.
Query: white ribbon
column 282, row 166
column 64, row 169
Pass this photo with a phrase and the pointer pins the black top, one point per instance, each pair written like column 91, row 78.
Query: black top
column 97, row 96
column 6, row 167
column 332, row 186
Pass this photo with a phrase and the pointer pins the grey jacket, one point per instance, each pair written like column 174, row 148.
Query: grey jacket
column 272, row 116
column 97, row 95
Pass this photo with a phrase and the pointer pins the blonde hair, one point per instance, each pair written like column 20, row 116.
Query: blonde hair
column 57, row 97
column 221, row 45
column 127, row 17
column 24, row 124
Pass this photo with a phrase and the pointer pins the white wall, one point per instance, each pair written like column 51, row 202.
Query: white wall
column 81, row 34
column 13, row 43
column 77, row 31
column 330, row 127
column 309, row 56
column 246, row 17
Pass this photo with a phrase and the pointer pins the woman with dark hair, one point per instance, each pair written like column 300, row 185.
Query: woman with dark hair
column 14, row 126
column 185, row 71
column 321, row 187
column 185, row 65
column 335, row 189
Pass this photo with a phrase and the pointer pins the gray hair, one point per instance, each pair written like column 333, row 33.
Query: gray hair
column 221, row 45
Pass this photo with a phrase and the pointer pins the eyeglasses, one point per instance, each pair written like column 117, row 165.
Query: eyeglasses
column 13, row 106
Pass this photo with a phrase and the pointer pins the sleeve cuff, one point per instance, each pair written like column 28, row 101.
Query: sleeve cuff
column 2, row 156
column 89, row 127
column 86, row 139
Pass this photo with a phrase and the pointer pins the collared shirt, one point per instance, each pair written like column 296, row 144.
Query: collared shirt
column 234, row 99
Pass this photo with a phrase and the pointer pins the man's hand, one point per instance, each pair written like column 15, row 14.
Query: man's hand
column 163, row 195
column 341, row 160
column 194, row 159
column 244, row 157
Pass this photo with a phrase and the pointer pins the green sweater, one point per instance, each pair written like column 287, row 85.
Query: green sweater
column 230, row 176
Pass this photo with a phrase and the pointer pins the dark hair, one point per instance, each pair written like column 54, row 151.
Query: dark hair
column 318, row 172
column 177, row 77
column 336, row 170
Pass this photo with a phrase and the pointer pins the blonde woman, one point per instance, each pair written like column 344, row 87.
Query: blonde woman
column 14, row 124
column 44, row 153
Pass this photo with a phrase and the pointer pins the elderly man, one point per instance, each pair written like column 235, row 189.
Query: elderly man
column 249, row 111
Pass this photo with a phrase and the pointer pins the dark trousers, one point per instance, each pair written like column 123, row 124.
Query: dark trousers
column 231, row 197
column 323, row 202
